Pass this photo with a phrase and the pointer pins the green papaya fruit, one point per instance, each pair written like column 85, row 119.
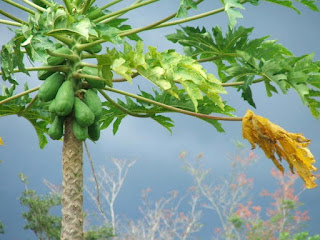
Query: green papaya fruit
column 90, row 71
column 65, row 99
column 94, row 83
column 83, row 115
column 56, row 129
column 94, row 131
column 50, row 87
column 94, row 14
column 40, row 3
column 44, row 74
column 94, row 49
column 52, row 106
column 53, row 61
column 92, row 100
column 80, row 132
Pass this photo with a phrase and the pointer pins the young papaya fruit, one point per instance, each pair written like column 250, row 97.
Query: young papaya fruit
column 44, row 74
column 64, row 100
column 90, row 71
column 92, row 100
column 94, row 14
column 58, row 45
column 80, row 132
column 53, row 61
column 50, row 87
column 40, row 3
column 94, row 49
column 82, row 113
column 56, row 129
column 52, row 106
column 94, row 83
column 94, row 131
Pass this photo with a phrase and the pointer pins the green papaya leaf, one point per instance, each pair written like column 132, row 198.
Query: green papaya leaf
column 230, row 7
column 183, row 8
column 36, row 113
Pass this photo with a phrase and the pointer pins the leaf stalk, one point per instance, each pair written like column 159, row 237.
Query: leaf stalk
column 188, row 19
column 28, row 106
column 124, row 10
column 123, row 109
column 119, row 15
column 31, row 4
column 161, row 23
column 65, row 40
column 232, row 84
column 59, row 68
column 17, row 5
column 81, row 75
column 71, row 57
column 19, row 95
column 47, row 3
column 11, row 23
column 8, row 15
column 68, row 6
column 171, row 108
column 110, row 4
column 86, row 6
column 81, row 47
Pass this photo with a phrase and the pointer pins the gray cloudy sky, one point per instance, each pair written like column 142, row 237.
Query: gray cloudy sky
column 155, row 149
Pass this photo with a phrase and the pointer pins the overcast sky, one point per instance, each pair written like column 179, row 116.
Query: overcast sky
column 154, row 148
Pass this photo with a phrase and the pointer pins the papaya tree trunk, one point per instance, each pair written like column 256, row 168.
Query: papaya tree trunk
column 72, row 185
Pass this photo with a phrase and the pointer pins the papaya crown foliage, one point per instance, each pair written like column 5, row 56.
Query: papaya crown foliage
column 78, row 49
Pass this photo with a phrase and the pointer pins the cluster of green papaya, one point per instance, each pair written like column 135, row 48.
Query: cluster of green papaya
column 66, row 95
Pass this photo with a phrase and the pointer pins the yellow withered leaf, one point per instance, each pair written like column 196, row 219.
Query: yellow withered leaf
column 274, row 140
column 1, row 142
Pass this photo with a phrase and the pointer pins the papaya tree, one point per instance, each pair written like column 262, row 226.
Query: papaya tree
column 80, row 50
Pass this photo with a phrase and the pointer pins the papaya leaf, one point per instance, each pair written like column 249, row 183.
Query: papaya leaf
column 270, row 88
column 164, row 121
column 215, row 123
column 246, row 91
column 311, row 4
column 36, row 114
column 230, row 7
column 12, row 57
column 104, row 67
column 117, row 23
column 314, row 106
column 113, row 113
column 183, row 8
column 205, row 106
column 121, row 67
column 81, row 28
column 106, row 119
column 168, row 70
column 300, row 73
column 285, row 3
column 37, row 46
column 298, row 81
column 201, row 44
column 111, row 34
column 116, row 124
column 314, row 93
column 314, row 79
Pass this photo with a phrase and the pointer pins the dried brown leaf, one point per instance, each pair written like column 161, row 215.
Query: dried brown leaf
column 274, row 140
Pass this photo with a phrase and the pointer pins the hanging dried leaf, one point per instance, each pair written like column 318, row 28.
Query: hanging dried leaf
column 275, row 140
column 1, row 142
